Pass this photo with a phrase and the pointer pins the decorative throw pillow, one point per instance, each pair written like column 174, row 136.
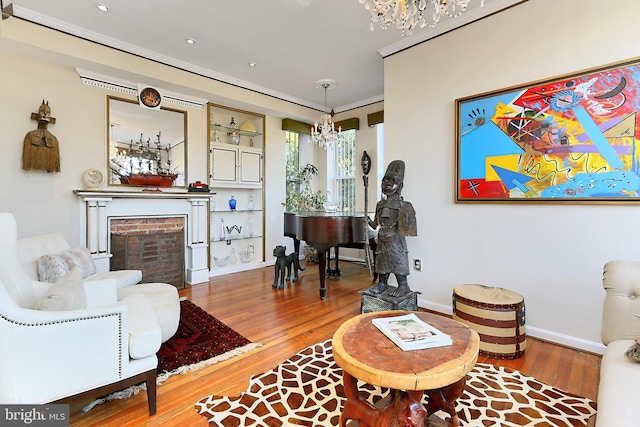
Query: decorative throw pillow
column 633, row 352
column 67, row 293
column 83, row 260
column 53, row 267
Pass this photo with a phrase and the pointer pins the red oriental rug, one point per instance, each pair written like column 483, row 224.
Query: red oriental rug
column 201, row 340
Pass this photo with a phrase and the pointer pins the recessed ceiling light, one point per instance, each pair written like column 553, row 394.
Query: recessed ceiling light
column 252, row 64
column 102, row 7
column 189, row 40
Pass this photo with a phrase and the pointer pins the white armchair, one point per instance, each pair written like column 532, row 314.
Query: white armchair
column 58, row 356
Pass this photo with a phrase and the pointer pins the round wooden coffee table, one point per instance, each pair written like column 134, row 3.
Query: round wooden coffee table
column 364, row 353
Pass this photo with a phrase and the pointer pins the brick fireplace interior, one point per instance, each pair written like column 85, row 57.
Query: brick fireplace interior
column 153, row 245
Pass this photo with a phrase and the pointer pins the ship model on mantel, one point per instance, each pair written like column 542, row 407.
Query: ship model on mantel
column 143, row 163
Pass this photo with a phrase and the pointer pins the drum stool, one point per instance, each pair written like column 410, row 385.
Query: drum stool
column 497, row 315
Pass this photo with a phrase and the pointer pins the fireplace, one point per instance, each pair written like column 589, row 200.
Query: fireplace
column 154, row 246
column 100, row 209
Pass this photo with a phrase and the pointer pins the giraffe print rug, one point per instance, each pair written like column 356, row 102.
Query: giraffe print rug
column 306, row 390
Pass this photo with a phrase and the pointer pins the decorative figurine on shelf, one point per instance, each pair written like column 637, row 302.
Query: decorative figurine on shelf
column 40, row 148
column 223, row 232
column 232, row 203
column 248, row 226
column 395, row 219
column 233, row 137
column 233, row 228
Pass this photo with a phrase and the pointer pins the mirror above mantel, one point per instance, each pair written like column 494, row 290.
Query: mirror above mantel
column 145, row 147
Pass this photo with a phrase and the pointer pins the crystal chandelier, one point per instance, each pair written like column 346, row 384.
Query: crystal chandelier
column 408, row 14
column 324, row 134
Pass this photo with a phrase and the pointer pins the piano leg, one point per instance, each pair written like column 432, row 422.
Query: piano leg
column 333, row 272
column 322, row 264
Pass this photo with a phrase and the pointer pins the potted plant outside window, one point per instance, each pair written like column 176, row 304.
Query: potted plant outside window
column 305, row 200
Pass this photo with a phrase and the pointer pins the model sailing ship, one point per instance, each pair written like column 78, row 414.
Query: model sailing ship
column 143, row 163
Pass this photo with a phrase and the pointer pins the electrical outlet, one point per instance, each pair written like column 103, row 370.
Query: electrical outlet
column 417, row 264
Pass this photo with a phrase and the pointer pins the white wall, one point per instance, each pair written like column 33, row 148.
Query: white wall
column 552, row 254
column 37, row 63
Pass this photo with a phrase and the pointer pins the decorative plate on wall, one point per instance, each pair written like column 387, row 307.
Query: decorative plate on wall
column 92, row 178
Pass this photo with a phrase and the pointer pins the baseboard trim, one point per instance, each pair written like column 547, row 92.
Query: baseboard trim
column 532, row 331
column 237, row 268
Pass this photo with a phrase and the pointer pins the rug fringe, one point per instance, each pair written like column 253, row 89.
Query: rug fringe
column 135, row 389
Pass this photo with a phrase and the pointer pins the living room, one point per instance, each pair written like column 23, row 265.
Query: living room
column 552, row 253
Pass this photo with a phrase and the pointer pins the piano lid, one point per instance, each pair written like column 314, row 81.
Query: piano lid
column 330, row 228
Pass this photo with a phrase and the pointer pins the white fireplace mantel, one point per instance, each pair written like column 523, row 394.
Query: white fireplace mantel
column 98, row 207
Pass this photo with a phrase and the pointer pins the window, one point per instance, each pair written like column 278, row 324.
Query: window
column 292, row 140
column 345, row 172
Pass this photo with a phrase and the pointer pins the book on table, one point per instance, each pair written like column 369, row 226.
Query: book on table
column 409, row 332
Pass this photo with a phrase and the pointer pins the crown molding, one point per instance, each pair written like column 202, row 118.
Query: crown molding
column 131, row 88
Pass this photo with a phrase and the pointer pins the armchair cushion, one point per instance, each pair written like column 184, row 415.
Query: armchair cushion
column 52, row 267
column 67, row 293
column 123, row 278
column 145, row 335
column 101, row 293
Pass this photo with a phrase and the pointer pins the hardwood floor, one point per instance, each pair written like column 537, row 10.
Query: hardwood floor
column 284, row 322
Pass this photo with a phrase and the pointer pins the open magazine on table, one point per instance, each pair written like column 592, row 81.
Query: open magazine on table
column 410, row 333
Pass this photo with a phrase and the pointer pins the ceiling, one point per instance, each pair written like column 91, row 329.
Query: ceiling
column 294, row 43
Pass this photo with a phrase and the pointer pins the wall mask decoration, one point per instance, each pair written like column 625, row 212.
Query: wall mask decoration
column 365, row 162
column 40, row 148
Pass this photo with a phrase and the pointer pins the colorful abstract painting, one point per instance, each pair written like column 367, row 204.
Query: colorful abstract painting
column 569, row 139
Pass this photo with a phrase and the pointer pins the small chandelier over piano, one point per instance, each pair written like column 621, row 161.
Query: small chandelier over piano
column 405, row 15
column 324, row 134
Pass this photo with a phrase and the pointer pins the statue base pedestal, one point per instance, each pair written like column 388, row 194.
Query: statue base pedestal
column 370, row 302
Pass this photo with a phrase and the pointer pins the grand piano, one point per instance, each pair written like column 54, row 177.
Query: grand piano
column 323, row 231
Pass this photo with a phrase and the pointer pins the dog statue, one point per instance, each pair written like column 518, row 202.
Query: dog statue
column 288, row 262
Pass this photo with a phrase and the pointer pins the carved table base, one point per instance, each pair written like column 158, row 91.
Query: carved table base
column 393, row 412
column 437, row 375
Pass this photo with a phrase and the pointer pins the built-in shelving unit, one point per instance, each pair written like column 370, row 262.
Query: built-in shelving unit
column 235, row 169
